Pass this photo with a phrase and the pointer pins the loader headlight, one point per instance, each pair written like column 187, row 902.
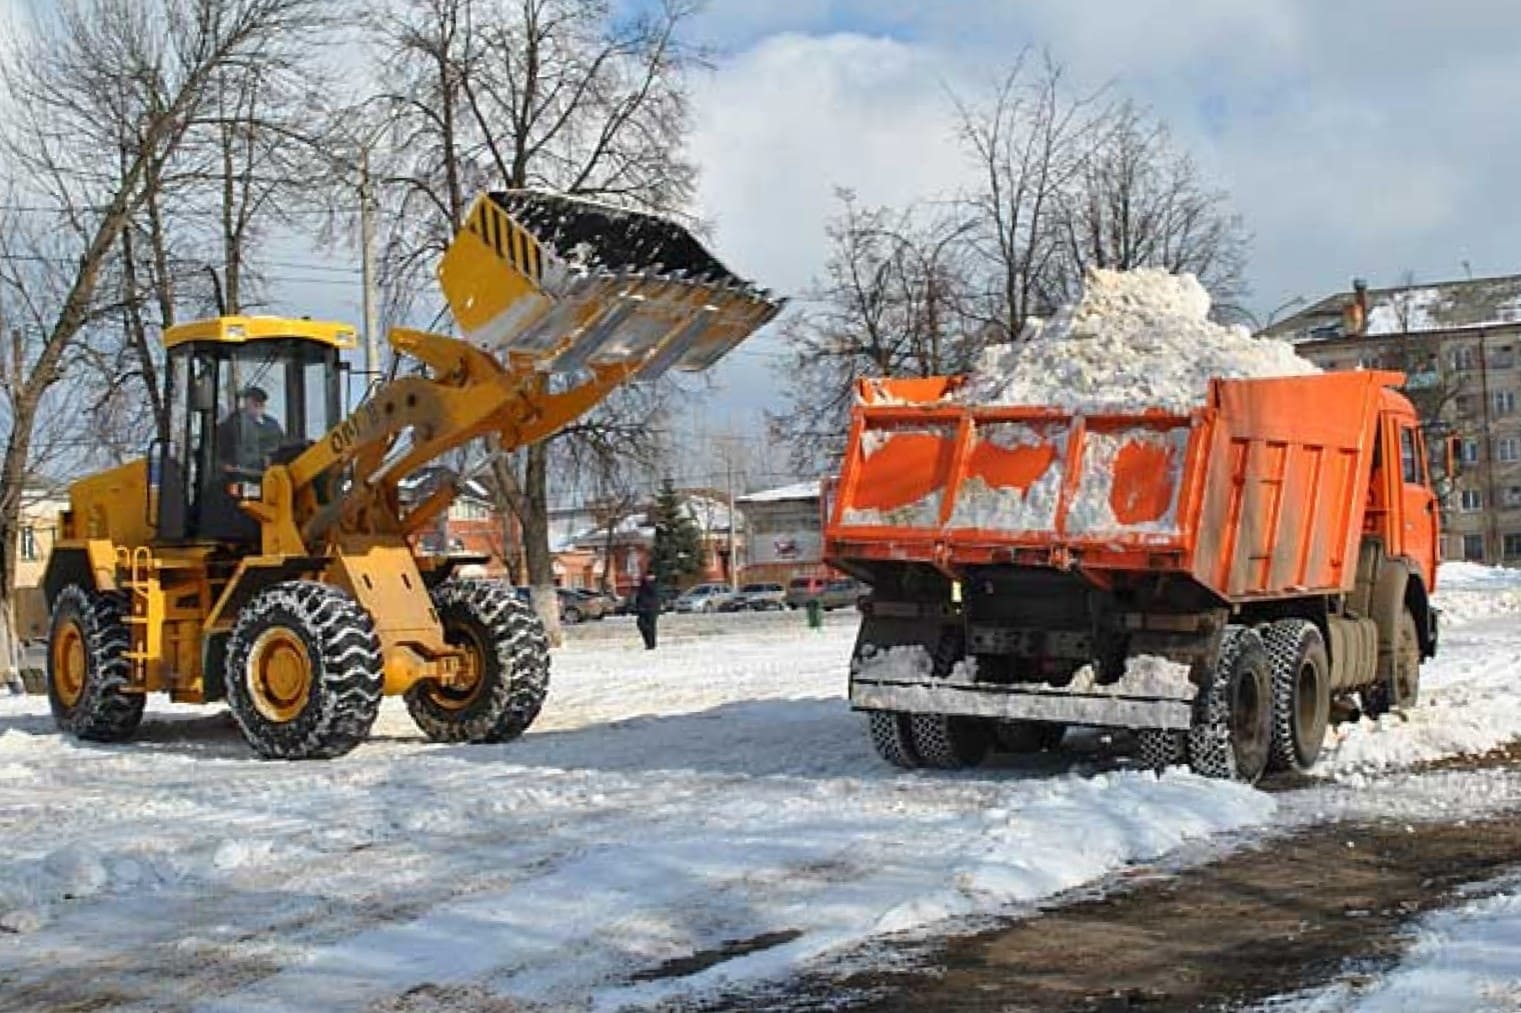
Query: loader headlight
column 246, row 490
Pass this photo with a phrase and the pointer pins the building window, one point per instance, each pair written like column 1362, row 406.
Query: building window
column 1508, row 449
column 1502, row 358
column 1463, row 358
column 1513, row 496
column 29, row 543
column 1463, row 404
column 1504, row 402
column 1513, row 546
column 1468, row 450
column 1471, row 501
column 1473, row 548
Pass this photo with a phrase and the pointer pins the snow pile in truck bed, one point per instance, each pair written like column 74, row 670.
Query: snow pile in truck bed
column 1137, row 339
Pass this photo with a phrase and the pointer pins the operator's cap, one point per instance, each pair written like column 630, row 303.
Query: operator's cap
column 255, row 394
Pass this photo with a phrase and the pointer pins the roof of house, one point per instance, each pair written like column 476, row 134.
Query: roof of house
column 1412, row 309
column 797, row 491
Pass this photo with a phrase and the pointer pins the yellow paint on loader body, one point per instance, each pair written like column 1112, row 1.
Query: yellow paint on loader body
column 526, row 313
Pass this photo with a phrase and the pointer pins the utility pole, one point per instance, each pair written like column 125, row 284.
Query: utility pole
column 367, row 268
column 733, row 560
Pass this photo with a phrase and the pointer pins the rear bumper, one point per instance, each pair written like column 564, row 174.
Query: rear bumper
column 1020, row 703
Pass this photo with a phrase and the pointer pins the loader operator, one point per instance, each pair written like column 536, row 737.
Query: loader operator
column 248, row 438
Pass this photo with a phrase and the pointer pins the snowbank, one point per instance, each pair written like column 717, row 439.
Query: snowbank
column 1137, row 339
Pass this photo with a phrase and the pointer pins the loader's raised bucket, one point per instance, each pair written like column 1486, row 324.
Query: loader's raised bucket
column 570, row 283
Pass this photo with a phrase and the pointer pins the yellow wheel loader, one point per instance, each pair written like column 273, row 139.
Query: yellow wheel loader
column 262, row 552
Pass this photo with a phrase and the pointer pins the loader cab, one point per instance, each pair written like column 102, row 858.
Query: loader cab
column 243, row 393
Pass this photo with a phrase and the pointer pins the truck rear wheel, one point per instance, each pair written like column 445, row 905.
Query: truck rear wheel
column 892, row 739
column 1403, row 686
column 949, row 742
column 1232, row 730
column 1301, row 692
column 89, row 675
column 506, row 666
column 1160, row 748
column 303, row 673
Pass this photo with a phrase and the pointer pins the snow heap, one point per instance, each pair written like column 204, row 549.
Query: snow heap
column 1137, row 339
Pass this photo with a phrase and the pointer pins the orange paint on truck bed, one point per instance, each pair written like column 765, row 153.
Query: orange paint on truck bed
column 1264, row 491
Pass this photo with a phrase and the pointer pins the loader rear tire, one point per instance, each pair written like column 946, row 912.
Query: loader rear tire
column 303, row 675
column 1301, row 693
column 507, row 655
column 1232, row 732
column 892, row 739
column 89, row 674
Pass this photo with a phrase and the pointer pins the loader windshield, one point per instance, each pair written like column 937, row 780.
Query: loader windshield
column 237, row 409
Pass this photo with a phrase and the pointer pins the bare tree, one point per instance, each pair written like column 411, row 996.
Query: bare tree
column 79, row 73
column 534, row 93
column 1138, row 201
column 893, row 302
column 1030, row 140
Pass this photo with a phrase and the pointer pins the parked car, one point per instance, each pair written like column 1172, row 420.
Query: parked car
column 756, row 598
column 525, row 595
column 802, row 590
column 703, row 598
column 830, row 592
column 573, row 609
column 593, row 605
column 842, row 593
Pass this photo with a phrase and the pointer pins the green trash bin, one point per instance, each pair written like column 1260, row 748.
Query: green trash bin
column 815, row 615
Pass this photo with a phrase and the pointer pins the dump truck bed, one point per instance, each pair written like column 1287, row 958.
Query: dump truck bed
column 1259, row 493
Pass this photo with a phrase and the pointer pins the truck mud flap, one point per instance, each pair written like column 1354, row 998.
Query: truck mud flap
column 1022, row 703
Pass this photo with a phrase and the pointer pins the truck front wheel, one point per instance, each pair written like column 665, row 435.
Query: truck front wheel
column 1403, row 686
column 1232, row 731
column 1301, row 692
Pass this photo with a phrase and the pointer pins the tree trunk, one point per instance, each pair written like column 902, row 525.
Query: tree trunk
column 533, row 518
column 534, row 515
column 12, row 479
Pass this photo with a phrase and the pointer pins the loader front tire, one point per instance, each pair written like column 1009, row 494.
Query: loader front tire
column 1301, row 692
column 303, row 673
column 507, row 666
column 89, row 674
column 1232, row 730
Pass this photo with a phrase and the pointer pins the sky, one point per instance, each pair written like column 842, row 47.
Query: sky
column 1368, row 138
column 1356, row 138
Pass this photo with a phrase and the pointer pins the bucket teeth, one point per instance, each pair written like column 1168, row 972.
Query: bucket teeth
column 571, row 282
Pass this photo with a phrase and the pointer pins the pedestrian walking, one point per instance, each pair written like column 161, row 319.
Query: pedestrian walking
column 647, row 609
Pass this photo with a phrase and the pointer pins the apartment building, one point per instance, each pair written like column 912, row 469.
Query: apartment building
column 1458, row 344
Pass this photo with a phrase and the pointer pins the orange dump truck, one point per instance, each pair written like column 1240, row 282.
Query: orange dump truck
column 1218, row 580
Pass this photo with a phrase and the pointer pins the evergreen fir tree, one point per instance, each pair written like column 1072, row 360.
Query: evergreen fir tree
column 678, row 542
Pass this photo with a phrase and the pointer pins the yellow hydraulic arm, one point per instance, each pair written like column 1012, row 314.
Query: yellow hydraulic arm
column 559, row 301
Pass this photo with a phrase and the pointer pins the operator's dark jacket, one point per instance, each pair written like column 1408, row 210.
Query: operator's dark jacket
column 647, row 599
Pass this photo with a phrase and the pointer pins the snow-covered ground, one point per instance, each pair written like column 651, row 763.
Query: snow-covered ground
column 1464, row 959
column 668, row 803
column 715, row 799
